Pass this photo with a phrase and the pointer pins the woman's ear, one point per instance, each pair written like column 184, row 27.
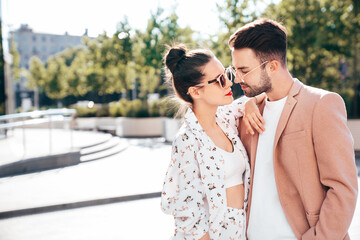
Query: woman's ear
column 194, row 92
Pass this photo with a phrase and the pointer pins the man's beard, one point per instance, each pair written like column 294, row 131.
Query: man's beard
column 264, row 86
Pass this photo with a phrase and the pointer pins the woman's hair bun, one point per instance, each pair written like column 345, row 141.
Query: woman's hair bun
column 174, row 55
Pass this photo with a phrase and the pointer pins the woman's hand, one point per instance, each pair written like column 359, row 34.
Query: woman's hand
column 252, row 117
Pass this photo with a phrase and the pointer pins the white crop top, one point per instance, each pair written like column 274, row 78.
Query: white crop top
column 234, row 163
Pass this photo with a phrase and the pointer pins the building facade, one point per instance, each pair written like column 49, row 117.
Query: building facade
column 41, row 45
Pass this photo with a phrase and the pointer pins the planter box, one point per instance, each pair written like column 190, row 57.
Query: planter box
column 86, row 123
column 106, row 124
column 139, row 127
column 170, row 128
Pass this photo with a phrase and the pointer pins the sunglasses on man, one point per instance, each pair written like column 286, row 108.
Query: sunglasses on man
column 230, row 73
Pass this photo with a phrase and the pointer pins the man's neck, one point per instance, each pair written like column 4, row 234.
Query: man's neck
column 281, row 86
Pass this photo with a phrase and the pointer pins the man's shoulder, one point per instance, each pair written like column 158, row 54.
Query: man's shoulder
column 313, row 91
column 314, row 94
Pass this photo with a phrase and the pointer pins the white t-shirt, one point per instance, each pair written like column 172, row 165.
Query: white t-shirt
column 267, row 218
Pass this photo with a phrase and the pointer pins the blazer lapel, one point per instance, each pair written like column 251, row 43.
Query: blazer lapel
column 289, row 105
column 254, row 143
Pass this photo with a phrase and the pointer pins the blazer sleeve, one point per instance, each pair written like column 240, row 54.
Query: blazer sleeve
column 233, row 112
column 183, row 193
column 334, row 151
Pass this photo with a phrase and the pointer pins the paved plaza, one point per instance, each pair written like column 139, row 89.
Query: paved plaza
column 137, row 170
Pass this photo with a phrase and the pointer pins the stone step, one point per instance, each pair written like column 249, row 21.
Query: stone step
column 108, row 144
column 108, row 149
column 104, row 137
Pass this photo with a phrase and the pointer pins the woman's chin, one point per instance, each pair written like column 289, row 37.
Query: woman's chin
column 229, row 100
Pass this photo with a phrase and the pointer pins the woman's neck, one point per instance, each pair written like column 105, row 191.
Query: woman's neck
column 205, row 114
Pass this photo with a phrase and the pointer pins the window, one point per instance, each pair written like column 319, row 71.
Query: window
column 43, row 39
column 34, row 38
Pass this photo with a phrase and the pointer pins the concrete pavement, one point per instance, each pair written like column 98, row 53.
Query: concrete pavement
column 139, row 169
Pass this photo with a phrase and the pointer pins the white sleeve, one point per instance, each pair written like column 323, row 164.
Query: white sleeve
column 183, row 192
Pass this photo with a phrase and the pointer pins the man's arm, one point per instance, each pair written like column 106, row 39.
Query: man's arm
column 334, row 151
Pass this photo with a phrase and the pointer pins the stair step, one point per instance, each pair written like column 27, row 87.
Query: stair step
column 121, row 146
column 112, row 142
column 105, row 138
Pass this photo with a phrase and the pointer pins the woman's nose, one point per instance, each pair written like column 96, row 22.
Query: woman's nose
column 229, row 83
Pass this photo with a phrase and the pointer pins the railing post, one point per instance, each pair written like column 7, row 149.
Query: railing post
column 24, row 139
column 50, row 135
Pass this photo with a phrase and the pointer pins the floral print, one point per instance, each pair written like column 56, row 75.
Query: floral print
column 194, row 190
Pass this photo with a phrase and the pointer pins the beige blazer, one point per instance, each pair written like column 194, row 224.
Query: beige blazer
column 314, row 163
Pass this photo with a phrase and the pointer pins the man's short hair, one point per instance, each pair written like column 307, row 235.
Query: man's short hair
column 267, row 38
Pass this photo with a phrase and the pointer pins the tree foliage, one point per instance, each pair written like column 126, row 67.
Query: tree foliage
column 320, row 34
column 111, row 64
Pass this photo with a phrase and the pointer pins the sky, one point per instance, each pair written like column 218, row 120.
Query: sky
column 74, row 16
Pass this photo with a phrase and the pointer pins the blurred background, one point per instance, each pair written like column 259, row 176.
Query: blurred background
column 87, row 118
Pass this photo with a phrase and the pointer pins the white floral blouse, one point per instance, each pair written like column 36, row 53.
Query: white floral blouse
column 194, row 191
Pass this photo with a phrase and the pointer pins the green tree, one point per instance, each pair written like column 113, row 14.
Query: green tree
column 320, row 33
column 123, row 41
column 15, row 66
column 232, row 15
column 57, row 74
column 149, row 80
column 36, row 75
column 77, row 78
column 2, row 75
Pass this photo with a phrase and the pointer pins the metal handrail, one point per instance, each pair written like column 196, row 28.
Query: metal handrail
column 37, row 114
column 11, row 121
column 55, row 118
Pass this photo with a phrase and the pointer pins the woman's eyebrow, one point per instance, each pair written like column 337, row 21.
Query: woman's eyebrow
column 219, row 74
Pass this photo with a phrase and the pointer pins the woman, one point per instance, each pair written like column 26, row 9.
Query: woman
column 206, row 185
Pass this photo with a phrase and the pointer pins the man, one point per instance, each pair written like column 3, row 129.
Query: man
column 303, row 174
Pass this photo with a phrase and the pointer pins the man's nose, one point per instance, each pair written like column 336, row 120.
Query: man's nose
column 238, row 80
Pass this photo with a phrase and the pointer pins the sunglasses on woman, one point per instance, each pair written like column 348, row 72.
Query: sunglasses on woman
column 228, row 74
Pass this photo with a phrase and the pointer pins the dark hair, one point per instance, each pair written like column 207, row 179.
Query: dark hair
column 184, row 68
column 267, row 38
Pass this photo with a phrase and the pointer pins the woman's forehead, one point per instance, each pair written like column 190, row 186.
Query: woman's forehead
column 213, row 68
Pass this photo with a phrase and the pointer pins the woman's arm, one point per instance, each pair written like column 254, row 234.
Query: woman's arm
column 183, row 193
column 248, row 109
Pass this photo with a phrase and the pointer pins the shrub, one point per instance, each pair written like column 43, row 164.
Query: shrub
column 165, row 107
column 113, row 109
column 103, row 111
column 168, row 107
column 154, row 109
column 127, row 108
column 86, row 112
